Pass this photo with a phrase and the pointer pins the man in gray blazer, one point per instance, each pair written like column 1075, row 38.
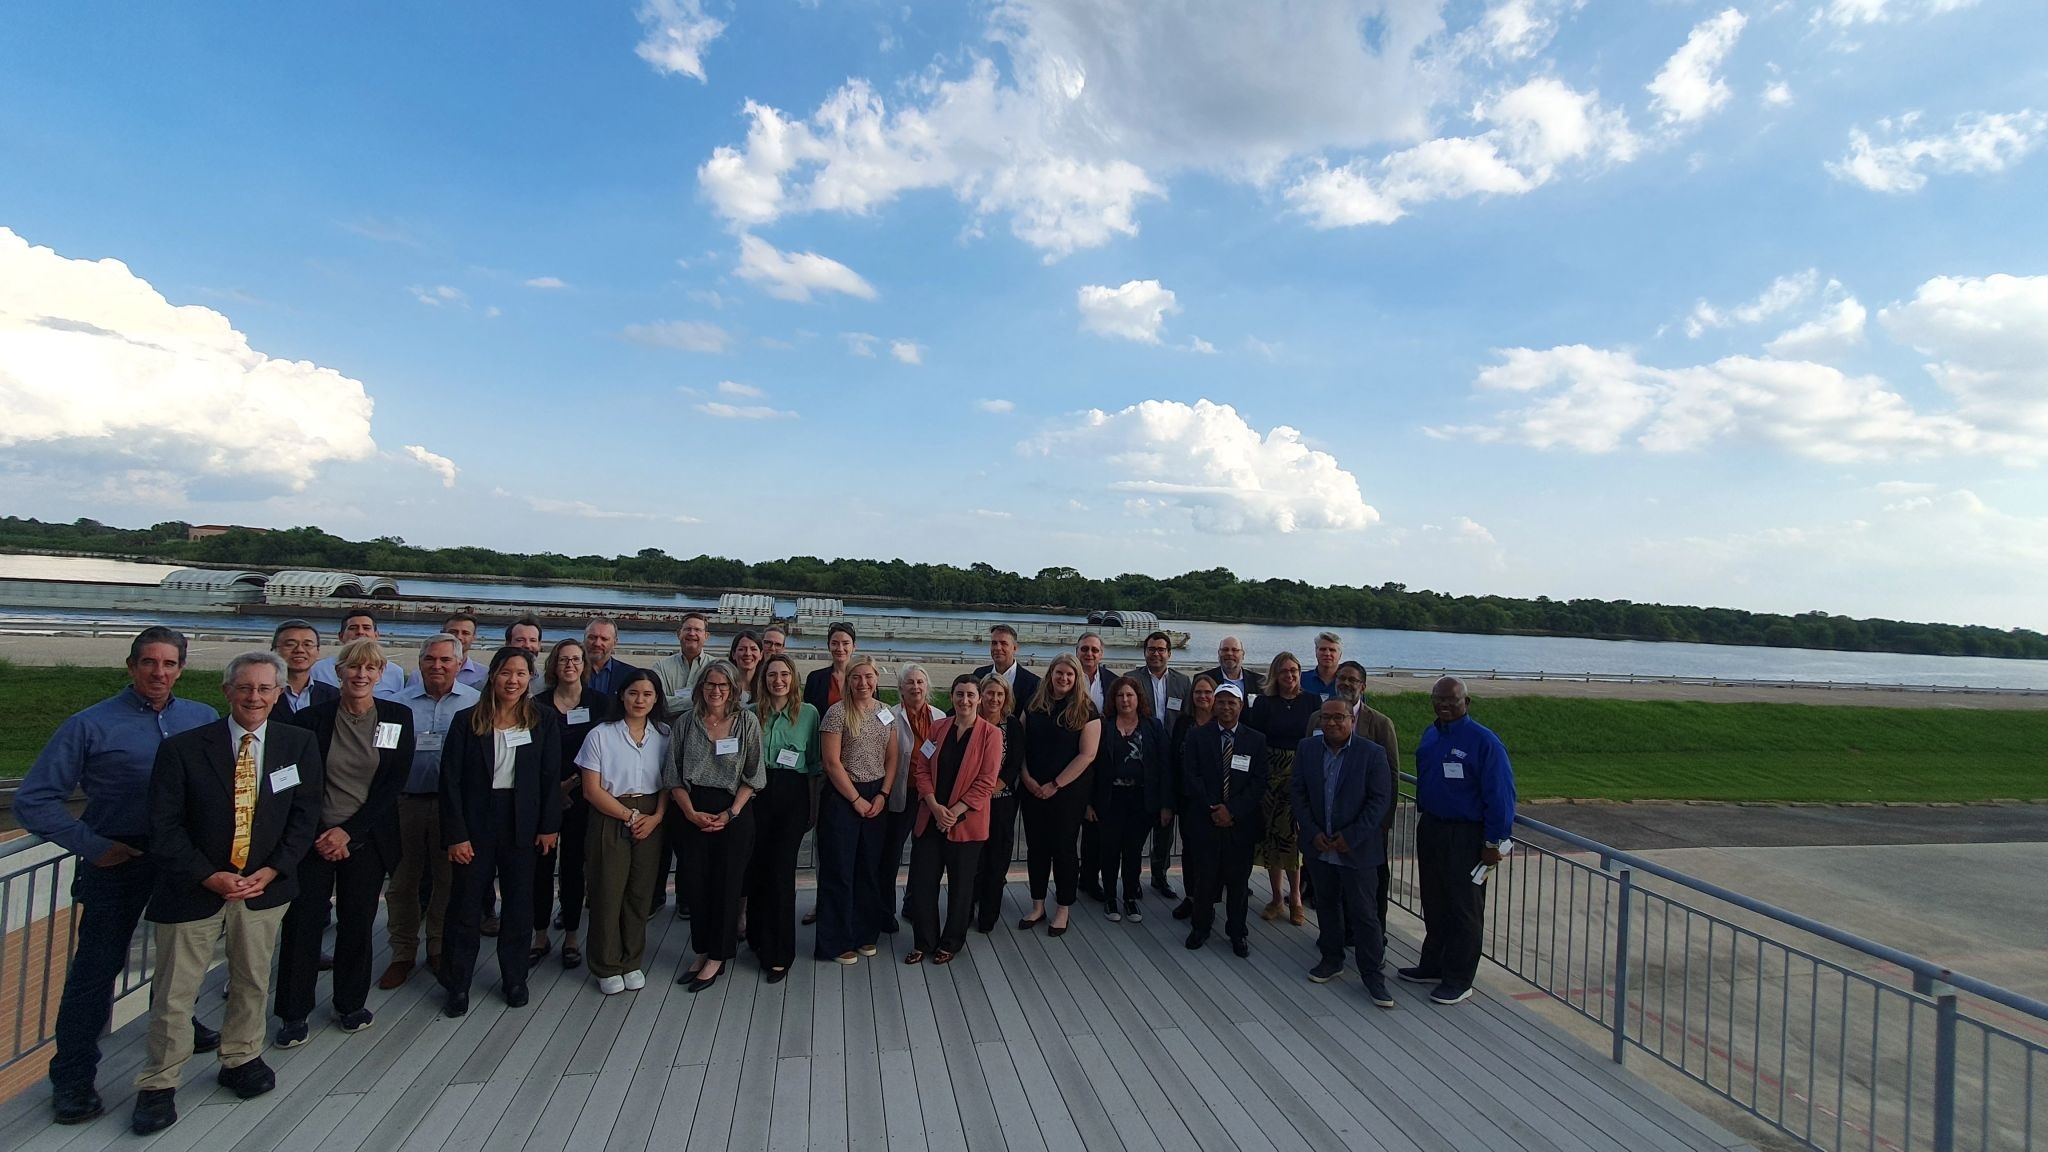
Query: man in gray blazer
column 1339, row 796
column 1166, row 695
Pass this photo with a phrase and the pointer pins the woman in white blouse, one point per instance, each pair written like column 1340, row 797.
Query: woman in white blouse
column 621, row 763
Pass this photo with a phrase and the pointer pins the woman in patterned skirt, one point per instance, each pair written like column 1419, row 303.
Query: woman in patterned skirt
column 1284, row 715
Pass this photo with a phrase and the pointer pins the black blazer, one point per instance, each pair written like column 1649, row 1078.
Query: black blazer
column 466, row 763
column 1254, row 681
column 818, row 689
column 1203, row 769
column 1025, row 688
column 1152, row 764
column 376, row 822
column 192, row 818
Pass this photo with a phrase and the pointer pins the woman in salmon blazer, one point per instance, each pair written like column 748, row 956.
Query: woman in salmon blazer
column 953, row 774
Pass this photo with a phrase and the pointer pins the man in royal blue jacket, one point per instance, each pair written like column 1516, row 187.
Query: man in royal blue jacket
column 1465, row 791
column 1340, row 791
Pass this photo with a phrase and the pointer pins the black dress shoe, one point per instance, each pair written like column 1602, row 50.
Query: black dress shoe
column 515, row 995
column 327, row 961
column 1164, row 889
column 77, row 1104
column 1196, row 939
column 776, row 975
column 155, row 1110
column 891, row 926
column 703, row 982
column 204, row 1039
column 1241, row 948
column 1184, row 909
column 457, row 1004
column 248, row 1081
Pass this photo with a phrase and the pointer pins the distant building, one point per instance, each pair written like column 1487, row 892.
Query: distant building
column 202, row 531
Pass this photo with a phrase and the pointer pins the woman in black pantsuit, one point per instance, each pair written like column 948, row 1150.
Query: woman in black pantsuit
column 993, row 874
column 577, row 712
column 1061, row 730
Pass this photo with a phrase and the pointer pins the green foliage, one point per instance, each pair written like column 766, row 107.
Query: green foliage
column 1212, row 594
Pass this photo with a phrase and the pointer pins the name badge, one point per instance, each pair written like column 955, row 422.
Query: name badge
column 730, row 746
column 387, row 735
column 886, row 717
column 787, row 758
column 578, row 716
column 1453, row 770
column 928, row 749
column 1173, row 703
column 1240, row 763
column 285, row 777
column 518, row 737
column 429, row 742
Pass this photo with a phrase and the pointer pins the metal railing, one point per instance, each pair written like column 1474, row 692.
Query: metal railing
column 1837, row 1041
column 38, row 929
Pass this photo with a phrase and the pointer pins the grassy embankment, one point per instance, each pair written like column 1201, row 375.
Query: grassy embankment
column 1606, row 749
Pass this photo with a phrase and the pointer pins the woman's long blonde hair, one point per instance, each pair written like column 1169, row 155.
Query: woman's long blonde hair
column 1079, row 710
column 850, row 716
column 792, row 710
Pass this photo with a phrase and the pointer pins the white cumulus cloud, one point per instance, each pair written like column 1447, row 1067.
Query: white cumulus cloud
column 1783, row 293
column 734, row 388
column 675, row 34
column 1987, row 343
column 907, row 351
column 547, row 282
column 1979, row 143
column 997, row 407
column 433, row 462
column 1849, row 13
column 99, row 371
column 682, row 335
column 1689, row 86
column 1134, row 310
column 1204, row 459
column 795, row 275
column 1838, row 328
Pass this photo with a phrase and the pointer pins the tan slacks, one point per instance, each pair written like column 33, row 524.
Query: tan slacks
column 618, row 889
column 419, row 850
column 184, row 952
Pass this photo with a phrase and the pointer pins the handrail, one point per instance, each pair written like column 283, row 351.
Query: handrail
column 21, row 843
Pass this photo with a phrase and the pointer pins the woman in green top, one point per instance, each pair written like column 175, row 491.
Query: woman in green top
column 782, row 813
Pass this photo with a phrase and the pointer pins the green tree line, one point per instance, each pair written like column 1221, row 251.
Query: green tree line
column 1211, row 594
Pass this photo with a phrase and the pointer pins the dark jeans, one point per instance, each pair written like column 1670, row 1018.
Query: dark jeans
column 849, row 901
column 929, row 856
column 896, row 828
column 781, row 812
column 568, row 856
column 713, row 871
column 1162, row 850
column 1453, row 907
column 1050, row 827
column 1123, row 826
column 993, row 874
column 1345, row 915
column 1225, row 872
column 497, row 858
column 110, row 904
column 355, row 884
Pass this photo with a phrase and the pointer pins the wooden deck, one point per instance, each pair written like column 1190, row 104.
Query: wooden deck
column 1112, row 1037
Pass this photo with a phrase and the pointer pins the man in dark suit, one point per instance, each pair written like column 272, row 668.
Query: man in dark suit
column 1230, row 669
column 1224, row 779
column 1340, row 793
column 1168, row 691
column 232, row 809
column 297, row 643
column 1002, row 657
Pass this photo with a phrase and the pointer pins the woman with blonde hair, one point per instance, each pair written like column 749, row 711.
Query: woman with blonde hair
column 915, row 714
column 1284, row 714
column 861, row 763
column 992, row 873
column 1061, row 731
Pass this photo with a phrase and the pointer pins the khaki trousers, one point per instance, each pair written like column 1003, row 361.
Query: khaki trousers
column 184, row 952
column 618, row 887
column 419, row 852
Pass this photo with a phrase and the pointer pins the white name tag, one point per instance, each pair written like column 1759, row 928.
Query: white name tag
column 1453, row 770
column 886, row 717
column 429, row 742
column 1240, row 763
column 928, row 749
column 578, row 716
column 730, row 746
column 387, row 735
column 787, row 758
column 285, row 777
column 1173, row 703
column 518, row 737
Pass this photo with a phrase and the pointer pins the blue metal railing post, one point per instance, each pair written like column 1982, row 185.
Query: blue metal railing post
column 1621, row 963
column 1945, row 1070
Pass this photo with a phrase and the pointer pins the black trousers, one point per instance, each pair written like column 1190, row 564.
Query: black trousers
column 1453, row 907
column 1162, row 850
column 569, row 854
column 1091, row 851
column 781, row 812
column 1123, row 826
column 849, row 903
column 896, row 828
column 355, row 884
column 931, row 854
column 1346, row 915
column 1225, row 873
column 993, row 873
column 712, row 871
column 499, row 857
column 671, row 856
column 1050, row 827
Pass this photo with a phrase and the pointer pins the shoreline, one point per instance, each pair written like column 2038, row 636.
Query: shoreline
column 213, row 650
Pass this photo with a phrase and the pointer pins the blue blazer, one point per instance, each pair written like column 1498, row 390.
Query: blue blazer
column 1203, row 769
column 1363, row 799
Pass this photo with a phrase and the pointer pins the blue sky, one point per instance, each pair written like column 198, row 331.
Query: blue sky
column 1694, row 302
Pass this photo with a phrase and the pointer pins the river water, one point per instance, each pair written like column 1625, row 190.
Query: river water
column 1377, row 648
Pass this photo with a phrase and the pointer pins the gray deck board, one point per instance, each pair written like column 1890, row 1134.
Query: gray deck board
column 1113, row 1037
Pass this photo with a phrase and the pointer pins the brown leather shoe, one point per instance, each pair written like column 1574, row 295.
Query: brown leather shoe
column 395, row 975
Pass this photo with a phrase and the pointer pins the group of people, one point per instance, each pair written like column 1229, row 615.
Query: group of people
column 498, row 798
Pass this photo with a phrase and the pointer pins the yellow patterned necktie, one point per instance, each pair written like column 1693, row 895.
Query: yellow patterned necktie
column 245, row 799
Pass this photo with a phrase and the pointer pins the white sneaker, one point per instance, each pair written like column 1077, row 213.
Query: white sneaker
column 611, row 985
column 1116, row 917
column 635, row 980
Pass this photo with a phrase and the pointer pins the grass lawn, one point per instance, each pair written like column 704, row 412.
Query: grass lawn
column 1587, row 749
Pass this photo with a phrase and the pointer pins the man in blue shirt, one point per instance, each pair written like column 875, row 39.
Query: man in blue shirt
column 1321, row 680
column 108, row 750
column 1465, row 791
column 1340, row 792
column 360, row 623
